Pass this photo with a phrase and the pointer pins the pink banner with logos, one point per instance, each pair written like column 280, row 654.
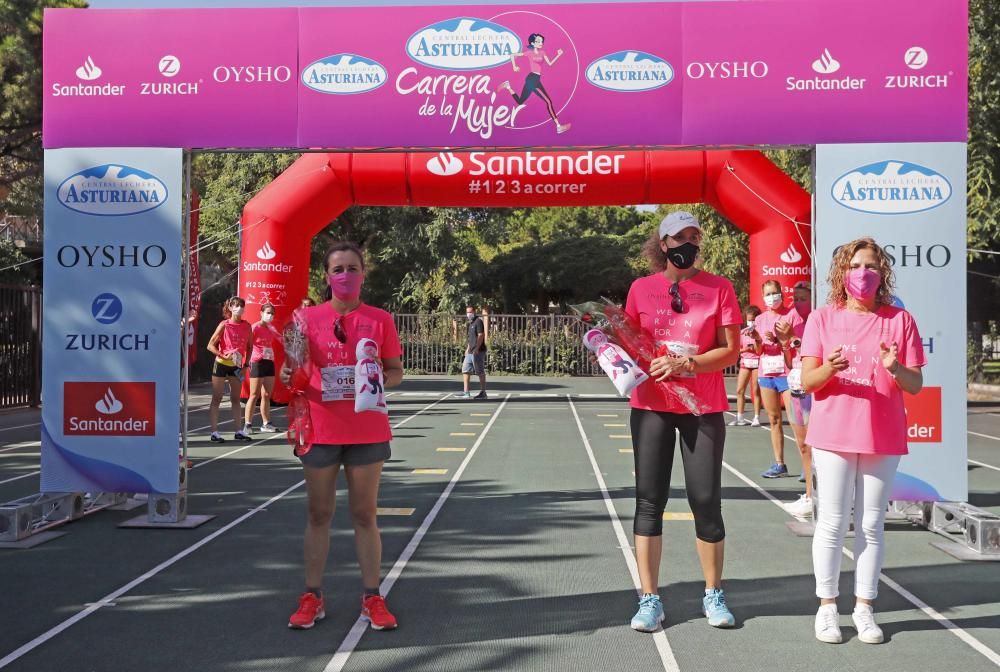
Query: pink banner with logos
column 647, row 74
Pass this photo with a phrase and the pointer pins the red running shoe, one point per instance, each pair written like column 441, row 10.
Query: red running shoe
column 373, row 608
column 310, row 610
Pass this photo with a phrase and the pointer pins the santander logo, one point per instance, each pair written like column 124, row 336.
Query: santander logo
column 791, row 255
column 266, row 252
column 89, row 70
column 826, row 64
column 108, row 404
column 445, row 164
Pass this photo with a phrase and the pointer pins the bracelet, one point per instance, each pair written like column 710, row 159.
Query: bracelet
column 894, row 369
column 692, row 364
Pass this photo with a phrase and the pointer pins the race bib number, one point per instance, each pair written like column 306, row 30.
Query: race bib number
column 267, row 353
column 751, row 362
column 681, row 349
column 795, row 380
column 772, row 365
column 338, row 383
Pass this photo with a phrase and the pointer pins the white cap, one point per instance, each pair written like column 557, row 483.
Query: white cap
column 676, row 222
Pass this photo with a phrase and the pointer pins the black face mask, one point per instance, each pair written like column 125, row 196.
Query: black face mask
column 683, row 257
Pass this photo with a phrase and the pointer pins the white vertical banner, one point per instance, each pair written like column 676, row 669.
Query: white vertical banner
column 111, row 321
column 911, row 199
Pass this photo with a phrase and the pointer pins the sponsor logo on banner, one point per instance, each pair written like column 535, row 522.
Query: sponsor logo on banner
column 112, row 190
column 252, row 74
column 825, row 65
column 727, row 70
column 106, row 308
column 111, row 256
column 918, row 256
column 917, row 58
column 344, row 74
column 266, row 252
column 791, row 255
column 444, row 164
column 88, row 72
column 169, row 67
column 630, row 71
column 923, row 416
column 109, row 408
column 463, row 44
column 892, row 188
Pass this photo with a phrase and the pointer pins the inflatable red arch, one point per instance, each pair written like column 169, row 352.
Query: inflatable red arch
column 745, row 187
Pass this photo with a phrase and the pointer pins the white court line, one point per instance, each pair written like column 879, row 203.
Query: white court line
column 948, row 625
column 111, row 597
column 983, row 464
column 985, row 436
column 18, row 478
column 7, row 429
column 659, row 637
column 23, row 444
column 347, row 647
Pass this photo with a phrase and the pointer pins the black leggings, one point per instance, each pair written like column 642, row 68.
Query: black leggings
column 533, row 84
column 702, row 439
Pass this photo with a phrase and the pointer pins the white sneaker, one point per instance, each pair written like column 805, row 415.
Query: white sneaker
column 864, row 621
column 247, row 430
column 756, row 422
column 737, row 422
column 268, row 427
column 801, row 508
column 828, row 624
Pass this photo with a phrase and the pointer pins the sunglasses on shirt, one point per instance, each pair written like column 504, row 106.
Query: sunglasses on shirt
column 676, row 302
column 338, row 329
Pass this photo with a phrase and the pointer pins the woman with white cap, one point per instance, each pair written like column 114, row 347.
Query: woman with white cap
column 695, row 316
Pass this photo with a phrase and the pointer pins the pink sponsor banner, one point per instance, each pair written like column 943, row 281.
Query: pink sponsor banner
column 170, row 78
column 825, row 72
column 446, row 77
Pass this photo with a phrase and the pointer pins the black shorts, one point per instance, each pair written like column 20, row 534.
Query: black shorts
column 348, row 454
column 262, row 368
column 220, row 370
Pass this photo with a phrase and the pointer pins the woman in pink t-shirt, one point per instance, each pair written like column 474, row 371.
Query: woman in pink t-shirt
column 694, row 315
column 264, row 336
column 230, row 343
column 859, row 354
column 750, row 346
column 533, row 82
column 358, row 441
column 776, row 327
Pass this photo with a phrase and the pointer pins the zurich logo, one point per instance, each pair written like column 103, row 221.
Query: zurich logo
column 266, row 252
column 112, row 190
column 791, row 255
column 344, row 74
column 463, row 44
column 106, row 308
column 630, row 71
column 892, row 188
column 169, row 66
column 444, row 164
column 109, row 404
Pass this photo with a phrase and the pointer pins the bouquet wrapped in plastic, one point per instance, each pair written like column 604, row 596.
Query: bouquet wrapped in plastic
column 622, row 330
column 296, row 343
column 624, row 373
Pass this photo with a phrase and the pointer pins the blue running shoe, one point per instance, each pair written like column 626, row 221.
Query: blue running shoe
column 776, row 471
column 650, row 614
column 714, row 606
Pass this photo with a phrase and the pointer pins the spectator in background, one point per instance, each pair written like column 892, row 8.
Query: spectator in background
column 475, row 354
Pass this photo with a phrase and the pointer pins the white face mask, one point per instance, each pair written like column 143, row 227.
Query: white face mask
column 266, row 317
column 749, row 324
column 236, row 310
column 772, row 300
column 470, row 316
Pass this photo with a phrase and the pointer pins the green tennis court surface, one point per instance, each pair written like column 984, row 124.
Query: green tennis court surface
column 503, row 527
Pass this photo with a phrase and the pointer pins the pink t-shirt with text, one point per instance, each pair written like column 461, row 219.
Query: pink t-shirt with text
column 264, row 336
column 710, row 302
column 767, row 321
column 235, row 337
column 335, row 421
column 860, row 410
column 748, row 359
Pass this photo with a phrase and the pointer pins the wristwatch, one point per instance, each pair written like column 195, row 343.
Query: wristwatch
column 690, row 364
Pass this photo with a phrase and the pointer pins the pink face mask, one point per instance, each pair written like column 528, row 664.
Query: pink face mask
column 862, row 283
column 345, row 286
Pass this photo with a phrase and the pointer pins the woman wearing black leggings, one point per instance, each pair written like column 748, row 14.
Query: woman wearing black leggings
column 695, row 316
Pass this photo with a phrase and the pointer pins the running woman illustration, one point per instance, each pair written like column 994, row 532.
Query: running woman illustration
column 533, row 82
